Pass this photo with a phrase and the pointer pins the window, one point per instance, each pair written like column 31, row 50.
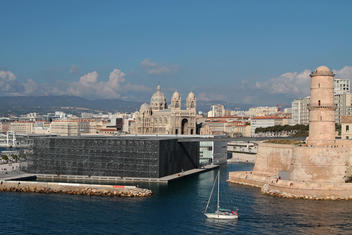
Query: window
column 319, row 102
column 347, row 127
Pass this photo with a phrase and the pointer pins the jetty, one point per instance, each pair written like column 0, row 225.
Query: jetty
column 74, row 189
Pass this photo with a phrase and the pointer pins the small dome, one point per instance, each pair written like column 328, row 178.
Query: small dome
column 323, row 69
column 144, row 107
column 191, row 96
column 176, row 96
column 158, row 97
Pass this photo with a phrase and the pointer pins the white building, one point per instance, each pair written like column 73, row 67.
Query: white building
column 212, row 152
column 262, row 111
column 341, row 86
column 343, row 106
column 22, row 127
column 300, row 112
column 264, row 122
column 216, row 110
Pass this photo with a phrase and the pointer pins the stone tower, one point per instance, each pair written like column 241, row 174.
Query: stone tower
column 191, row 102
column 176, row 101
column 322, row 108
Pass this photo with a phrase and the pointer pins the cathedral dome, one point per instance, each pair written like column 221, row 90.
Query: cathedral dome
column 158, row 100
column 191, row 96
column 175, row 96
column 191, row 101
column 144, row 107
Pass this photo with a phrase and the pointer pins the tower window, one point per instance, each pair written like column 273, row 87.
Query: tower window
column 319, row 85
column 319, row 102
column 347, row 127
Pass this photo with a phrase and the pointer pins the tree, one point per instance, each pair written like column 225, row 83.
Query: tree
column 4, row 157
column 14, row 157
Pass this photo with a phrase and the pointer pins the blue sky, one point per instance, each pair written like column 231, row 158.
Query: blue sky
column 237, row 51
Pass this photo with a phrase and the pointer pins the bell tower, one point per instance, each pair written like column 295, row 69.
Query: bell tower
column 322, row 108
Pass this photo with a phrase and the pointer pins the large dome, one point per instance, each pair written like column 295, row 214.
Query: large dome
column 158, row 99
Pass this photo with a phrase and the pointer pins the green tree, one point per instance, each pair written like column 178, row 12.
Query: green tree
column 14, row 157
column 4, row 157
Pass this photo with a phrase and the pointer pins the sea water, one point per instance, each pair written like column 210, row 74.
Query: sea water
column 176, row 208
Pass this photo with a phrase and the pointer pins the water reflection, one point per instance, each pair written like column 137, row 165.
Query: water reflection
column 176, row 208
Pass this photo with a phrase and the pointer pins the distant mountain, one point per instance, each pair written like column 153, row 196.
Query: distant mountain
column 76, row 105
column 205, row 105
column 70, row 104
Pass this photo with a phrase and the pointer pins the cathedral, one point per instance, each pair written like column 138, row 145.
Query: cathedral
column 158, row 118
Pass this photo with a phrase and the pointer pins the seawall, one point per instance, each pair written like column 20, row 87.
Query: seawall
column 74, row 189
column 242, row 157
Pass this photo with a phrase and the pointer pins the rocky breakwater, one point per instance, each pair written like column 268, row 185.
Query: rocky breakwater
column 74, row 189
column 308, row 190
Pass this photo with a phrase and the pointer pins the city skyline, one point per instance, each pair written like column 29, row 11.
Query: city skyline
column 240, row 52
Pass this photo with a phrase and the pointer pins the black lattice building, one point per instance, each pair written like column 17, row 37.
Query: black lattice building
column 147, row 157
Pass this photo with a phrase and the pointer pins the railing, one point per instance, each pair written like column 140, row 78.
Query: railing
column 310, row 107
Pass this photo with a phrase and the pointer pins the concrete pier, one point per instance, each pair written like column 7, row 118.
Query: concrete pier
column 74, row 189
column 112, row 179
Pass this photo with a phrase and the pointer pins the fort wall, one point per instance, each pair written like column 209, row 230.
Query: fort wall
column 272, row 158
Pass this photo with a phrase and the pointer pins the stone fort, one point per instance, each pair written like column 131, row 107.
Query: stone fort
column 320, row 168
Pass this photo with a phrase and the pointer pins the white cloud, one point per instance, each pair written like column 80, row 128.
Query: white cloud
column 30, row 87
column 7, row 81
column 297, row 83
column 148, row 63
column 89, row 79
column 344, row 73
column 153, row 68
column 89, row 85
column 7, row 75
column 291, row 83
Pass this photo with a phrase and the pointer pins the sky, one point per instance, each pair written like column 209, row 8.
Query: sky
column 251, row 52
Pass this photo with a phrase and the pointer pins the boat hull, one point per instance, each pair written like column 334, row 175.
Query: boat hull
column 220, row 216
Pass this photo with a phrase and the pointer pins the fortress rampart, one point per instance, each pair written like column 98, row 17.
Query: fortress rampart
column 319, row 169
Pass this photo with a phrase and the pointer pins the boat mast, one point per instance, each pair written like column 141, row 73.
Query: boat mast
column 219, row 189
column 211, row 193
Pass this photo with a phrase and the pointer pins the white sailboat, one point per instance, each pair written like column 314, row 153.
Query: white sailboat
column 219, row 213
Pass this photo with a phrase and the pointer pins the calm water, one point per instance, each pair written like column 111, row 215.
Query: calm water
column 173, row 209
